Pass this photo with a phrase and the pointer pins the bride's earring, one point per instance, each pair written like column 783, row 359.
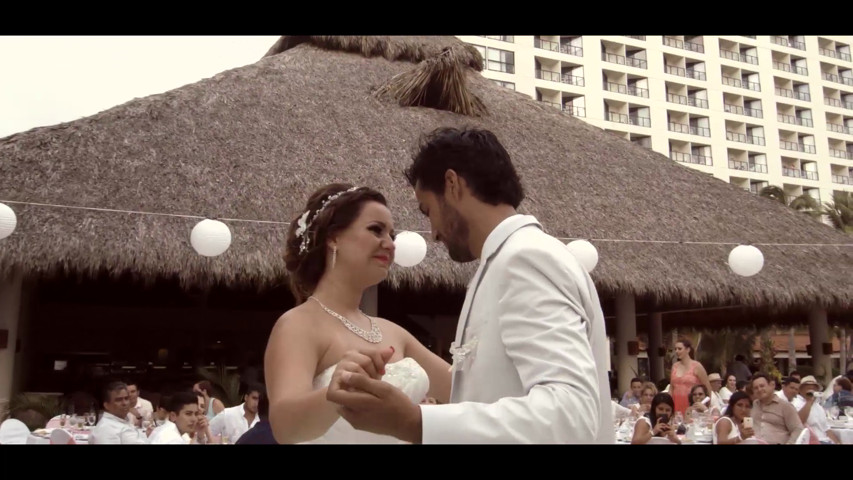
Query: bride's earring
column 334, row 255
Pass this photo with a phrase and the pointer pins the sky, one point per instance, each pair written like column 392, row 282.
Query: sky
column 46, row 80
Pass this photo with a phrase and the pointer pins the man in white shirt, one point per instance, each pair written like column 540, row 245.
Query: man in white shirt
column 791, row 392
column 716, row 382
column 139, row 407
column 233, row 422
column 113, row 427
column 183, row 415
column 813, row 415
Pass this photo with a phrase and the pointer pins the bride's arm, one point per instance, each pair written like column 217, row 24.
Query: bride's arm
column 298, row 413
column 436, row 368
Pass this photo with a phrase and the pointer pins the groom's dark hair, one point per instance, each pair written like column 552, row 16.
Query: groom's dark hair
column 476, row 155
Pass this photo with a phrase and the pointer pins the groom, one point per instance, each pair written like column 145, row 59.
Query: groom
column 530, row 351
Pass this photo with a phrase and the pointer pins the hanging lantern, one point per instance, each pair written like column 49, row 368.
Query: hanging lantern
column 585, row 252
column 8, row 221
column 746, row 260
column 210, row 238
column 410, row 249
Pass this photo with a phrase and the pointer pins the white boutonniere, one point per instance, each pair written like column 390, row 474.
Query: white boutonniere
column 461, row 352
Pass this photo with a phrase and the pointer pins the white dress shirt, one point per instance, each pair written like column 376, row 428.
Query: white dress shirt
column 817, row 422
column 144, row 408
column 531, row 350
column 798, row 402
column 112, row 430
column 232, row 422
column 168, row 434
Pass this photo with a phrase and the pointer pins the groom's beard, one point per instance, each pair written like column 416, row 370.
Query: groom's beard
column 457, row 240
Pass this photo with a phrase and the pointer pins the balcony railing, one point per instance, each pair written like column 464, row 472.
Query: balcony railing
column 834, row 54
column 785, row 42
column 685, row 100
column 834, row 127
column 838, row 103
column 622, row 60
column 842, row 179
column 790, row 68
column 841, row 154
column 790, row 119
column 797, row 147
column 784, row 92
column 674, row 42
column 739, row 137
column 568, row 49
column 685, row 72
column 626, row 89
column 689, row 158
column 574, row 111
column 740, row 57
column 837, row 79
column 750, row 112
column 553, row 104
column 689, row 129
column 546, row 45
column 638, row 37
column 747, row 167
column 572, row 79
column 548, row 75
column 629, row 119
column 793, row 172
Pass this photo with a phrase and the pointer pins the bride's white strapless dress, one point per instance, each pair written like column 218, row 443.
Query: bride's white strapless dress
column 406, row 374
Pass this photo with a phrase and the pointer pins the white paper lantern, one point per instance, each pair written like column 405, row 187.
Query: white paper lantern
column 8, row 221
column 746, row 260
column 210, row 238
column 585, row 252
column 410, row 249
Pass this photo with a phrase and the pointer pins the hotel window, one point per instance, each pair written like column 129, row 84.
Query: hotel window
column 502, row 38
column 500, row 60
column 508, row 85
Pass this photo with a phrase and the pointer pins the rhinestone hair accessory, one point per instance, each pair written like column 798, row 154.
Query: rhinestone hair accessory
column 304, row 223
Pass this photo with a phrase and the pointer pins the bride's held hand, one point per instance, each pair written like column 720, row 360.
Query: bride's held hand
column 367, row 362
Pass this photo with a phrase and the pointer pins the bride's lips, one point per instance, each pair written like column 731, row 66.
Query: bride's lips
column 383, row 258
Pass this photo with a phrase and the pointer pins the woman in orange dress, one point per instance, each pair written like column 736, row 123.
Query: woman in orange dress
column 686, row 372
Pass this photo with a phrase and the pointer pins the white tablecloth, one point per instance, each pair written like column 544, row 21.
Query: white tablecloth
column 844, row 434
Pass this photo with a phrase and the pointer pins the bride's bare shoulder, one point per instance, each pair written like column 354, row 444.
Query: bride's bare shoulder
column 297, row 319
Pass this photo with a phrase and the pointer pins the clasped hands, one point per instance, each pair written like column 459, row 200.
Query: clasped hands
column 368, row 403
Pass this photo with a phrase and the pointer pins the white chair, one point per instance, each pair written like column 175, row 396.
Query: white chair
column 803, row 438
column 61, row 437
column 13, row 432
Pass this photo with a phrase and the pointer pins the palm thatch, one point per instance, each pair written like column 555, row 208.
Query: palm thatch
column 253, row 142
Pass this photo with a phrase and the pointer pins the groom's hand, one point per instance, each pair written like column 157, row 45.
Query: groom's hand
column 377, row 406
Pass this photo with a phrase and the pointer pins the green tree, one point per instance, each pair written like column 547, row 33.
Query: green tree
column 840, row 211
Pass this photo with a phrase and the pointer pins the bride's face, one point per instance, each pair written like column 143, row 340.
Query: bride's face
column 367, row 245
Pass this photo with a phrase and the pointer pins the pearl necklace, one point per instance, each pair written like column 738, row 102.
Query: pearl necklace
column 373, row 336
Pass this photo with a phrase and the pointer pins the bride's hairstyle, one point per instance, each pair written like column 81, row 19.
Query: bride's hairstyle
column 329, row 210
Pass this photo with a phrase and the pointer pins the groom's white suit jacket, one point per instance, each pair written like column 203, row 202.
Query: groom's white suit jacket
column 531, row 362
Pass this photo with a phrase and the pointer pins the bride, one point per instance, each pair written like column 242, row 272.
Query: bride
column 342, row 244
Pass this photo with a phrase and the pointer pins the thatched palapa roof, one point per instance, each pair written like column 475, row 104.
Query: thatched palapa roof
column 253, row 142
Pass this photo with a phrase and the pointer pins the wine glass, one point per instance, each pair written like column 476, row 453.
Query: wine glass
column 834, row 411
column 62, row 419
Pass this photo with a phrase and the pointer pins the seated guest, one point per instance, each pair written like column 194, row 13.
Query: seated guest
column 261, row 433
column 660, row 414
column 183, row 415
column 730, row 428
column 233, row 422
column 813, row 415
column 113, row 428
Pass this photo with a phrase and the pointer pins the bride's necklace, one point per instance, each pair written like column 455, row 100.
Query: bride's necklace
column 373, row 336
